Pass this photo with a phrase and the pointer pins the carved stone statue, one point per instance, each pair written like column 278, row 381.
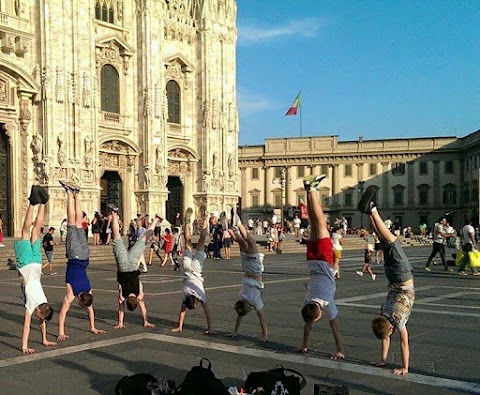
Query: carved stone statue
column 148, row 176
column 37, row 147
column 215, row 165
column 231, row 166
column 61, row 149
column 158, row 157
column 206, row 116
column 215, row 114
column 88, row 142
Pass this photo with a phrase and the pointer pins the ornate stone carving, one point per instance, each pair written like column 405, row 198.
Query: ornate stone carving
column 88, row 143
column 146, row 102
column 72, row 88
column 37, row 147
column 48, row 170
column 215, row 113
column 3, row 91
column 61, row 149
column 59, row 84
column 22, row 45
column 148, row 176
column 120, row 10
column 87, row 90
column 116, row 147
column 7, row 43
column 157, row 103
column 206, row 115
column 45, row 81
column 25, row 115
column 231, row 166
column 158, row 157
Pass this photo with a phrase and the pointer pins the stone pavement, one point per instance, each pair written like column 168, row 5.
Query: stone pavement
column 444, row 332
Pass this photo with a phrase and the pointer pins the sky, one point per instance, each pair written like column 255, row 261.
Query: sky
column 372, row 68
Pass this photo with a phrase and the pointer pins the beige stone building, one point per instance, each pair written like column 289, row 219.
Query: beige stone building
column 417, row 179
column 133, row 99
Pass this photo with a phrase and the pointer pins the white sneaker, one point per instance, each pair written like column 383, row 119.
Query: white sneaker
column 359, row 273
column 374, row 276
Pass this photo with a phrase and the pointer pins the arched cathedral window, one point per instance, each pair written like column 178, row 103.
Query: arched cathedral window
column 104, row 11
column 110, row 89
column 173, row 97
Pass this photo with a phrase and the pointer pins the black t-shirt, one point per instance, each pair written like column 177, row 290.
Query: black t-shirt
column 46, row 242
column 129, row 282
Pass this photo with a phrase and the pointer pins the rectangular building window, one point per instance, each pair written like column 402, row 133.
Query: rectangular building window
column 324, row 199
column 277, row 200
column 423, row 168
column 449, row 167
column 277, row 172
column 398, row 197
column 255, row 200
column 348, row 199
column 325, row 169
column 348, row 170
column 301, row 171
column 255, row 173
column 373, row 169
column 423, row 196
column 398, row 169
column 449, row 196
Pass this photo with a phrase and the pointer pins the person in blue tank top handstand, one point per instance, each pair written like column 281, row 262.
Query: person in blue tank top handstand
column 78, row 255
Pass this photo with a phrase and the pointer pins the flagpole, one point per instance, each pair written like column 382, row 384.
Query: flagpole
column 300, row 120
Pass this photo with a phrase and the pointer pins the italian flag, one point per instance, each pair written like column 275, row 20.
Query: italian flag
column 296, row 103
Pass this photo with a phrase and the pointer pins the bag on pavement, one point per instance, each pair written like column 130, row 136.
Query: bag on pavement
column 275, row 382
column 201, row 380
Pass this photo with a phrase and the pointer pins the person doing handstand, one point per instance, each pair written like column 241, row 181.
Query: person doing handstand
column 130, row 288
column 321, row 288
column 78, row 255
column 192, row 266
column 29, row 265
column 396, row 310
column 252, row 285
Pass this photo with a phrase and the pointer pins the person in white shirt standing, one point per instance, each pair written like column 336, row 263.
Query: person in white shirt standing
column 439, row 238
column 337, row 241
column 467, row 235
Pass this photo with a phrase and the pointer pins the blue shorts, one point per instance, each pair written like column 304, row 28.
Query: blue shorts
column 397, row 266
column 26, row 252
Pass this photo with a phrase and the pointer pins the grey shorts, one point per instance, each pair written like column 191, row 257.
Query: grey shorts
column 127, row 261
column 49, row 255
column 397, row 265
column 77, row 246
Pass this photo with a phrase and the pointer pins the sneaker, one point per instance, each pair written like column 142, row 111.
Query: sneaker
column 462, row 273
column 311, row 183
column 223, row 220
column 374, row 276
column 70, row 186
column 53, row 273
column 366, row 203
column 427, row 269
column 449, row 270
column 188, row 215
column 476, row 274
column 35, row 197
column 2, row 245
column 359, row 273
column 112, row 207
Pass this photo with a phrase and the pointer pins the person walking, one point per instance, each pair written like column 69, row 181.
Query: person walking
column 439, row 239
column 48, row 244
column 467, row 236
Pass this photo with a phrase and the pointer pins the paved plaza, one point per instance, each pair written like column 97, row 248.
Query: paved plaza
column 444, row 331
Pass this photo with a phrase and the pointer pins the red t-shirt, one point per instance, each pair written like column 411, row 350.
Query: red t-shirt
column 303, row 211
column 167, row 243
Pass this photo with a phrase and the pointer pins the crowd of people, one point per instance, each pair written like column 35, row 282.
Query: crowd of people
column 324, row 247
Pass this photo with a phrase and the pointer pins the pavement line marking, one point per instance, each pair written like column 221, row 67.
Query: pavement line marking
column 222, row 347
column 377, row 295
column 447, row 296
column 440, row 312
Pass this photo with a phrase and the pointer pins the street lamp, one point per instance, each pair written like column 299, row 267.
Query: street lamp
column 282, row 181
column 361, row 188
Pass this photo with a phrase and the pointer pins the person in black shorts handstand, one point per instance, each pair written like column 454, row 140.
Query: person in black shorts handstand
column 130, row 288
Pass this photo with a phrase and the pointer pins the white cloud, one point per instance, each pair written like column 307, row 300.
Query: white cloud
column 309, row 27
column 250, row 103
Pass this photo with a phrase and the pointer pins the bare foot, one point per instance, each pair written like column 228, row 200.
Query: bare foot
column 176, row 330
column 49, row 344
column 119, row 326
column 301, row 350
column 61, row 338
column 338, row 356
column 28, row 350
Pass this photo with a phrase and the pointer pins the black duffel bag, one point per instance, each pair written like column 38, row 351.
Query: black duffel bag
column 275, row 381
column 200, row 380
column 144, row 384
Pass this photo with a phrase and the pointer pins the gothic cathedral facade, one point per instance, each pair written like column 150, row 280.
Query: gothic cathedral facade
column 135, row 100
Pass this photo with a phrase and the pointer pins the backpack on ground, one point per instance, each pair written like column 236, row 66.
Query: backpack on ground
column 200, row 380
column 275, row 382
column 144, row 384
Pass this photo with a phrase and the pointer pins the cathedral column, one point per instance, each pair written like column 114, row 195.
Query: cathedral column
column 335, row 187
column 386, row 184
column 411, row 184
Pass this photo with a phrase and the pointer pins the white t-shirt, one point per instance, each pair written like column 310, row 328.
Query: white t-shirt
column 250, row 223
column 193, row 286
column 321, row 288
column 437, row 236
column 33, row 291
column 296, row 222
column 465, row 233
column 336, row 237
column 274, row 219
column 252, row 292
column 388, row 223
